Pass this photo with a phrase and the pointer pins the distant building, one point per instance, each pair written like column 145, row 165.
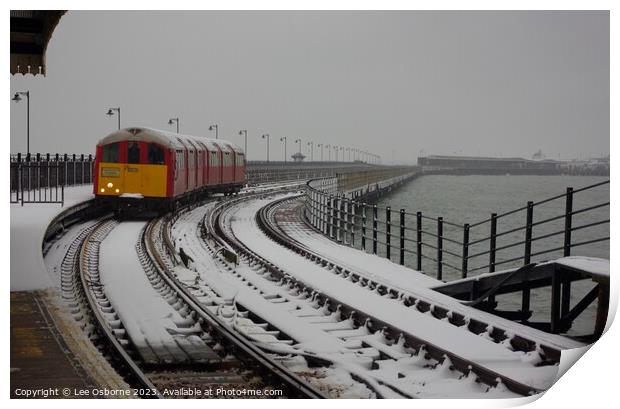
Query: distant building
column 298, row 157
column 487, row 165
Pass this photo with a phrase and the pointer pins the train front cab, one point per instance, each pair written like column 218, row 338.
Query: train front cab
column 131, row 169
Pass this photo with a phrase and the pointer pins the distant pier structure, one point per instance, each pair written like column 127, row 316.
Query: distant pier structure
column 539, row 165
column 298, row 157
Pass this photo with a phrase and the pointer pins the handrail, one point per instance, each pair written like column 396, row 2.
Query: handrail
column 351, row 220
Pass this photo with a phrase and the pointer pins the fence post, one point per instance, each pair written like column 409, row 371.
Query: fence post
column 402, row 237
column 388, row 232
column 65, row 171
column 352, row 225
column 568, row 221
column 492, row 242
column 465, row 250
column 439, row 248
column 324, row 213
column 364, row 226
column 82, row 164
column 374, row 229
column 419, row 239
column 331, row 216
column 528, row 232
column 525, row 296
column 344, row 205
column 74, row 172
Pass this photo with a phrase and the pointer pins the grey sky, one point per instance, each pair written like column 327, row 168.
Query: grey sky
column 478, row 83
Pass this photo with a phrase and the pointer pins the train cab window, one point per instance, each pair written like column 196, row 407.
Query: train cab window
column 111, row 153
column 133, row 152
column 155, row 154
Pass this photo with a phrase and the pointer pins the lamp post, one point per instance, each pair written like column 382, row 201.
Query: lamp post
column 266, row 136
column 111, row 112
column 311, row 145
column 320, row 145
column 284, row 139
column 212, row 127
column 329, row 152
column 173, row 120
column 298, row 141
column 336, row 152
column 244, row 132
column 342, row 151
column 17, row 98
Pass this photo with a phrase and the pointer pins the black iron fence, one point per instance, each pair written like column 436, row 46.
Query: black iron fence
column 42, row 178
column 530, row 233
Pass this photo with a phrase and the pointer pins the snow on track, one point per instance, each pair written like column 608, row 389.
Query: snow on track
column 156, row 328
column 294, row 325
column 514, row 364
column 400, row 277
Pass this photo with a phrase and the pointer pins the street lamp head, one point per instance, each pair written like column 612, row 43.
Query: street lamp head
column 283, row 138
column 265, row 136
column 110, row 113
column 212, row 127
column 16, row 98
column 242, row 131
column 170, row 122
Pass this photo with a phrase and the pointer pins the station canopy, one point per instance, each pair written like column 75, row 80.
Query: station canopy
column 31, row 31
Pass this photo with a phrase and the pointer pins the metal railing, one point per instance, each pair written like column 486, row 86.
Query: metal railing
column 42, row 178
column 425, row 243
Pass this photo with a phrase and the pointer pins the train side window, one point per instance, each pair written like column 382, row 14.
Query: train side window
column 111, row 153
column 155, row 154
column 133, row 152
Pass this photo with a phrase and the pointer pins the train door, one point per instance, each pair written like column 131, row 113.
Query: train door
column 132, row 176
column 220, row 165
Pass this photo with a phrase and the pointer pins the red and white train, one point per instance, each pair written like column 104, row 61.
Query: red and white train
column 156, row 170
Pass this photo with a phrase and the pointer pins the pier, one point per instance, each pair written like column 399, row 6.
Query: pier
column 344, row 250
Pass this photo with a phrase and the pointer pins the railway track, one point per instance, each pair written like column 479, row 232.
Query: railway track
column 290, row 211
column 236, row 368
column 384, row 358
column 270, row 326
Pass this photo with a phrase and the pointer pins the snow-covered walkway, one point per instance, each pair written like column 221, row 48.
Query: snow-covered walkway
column 28, row 225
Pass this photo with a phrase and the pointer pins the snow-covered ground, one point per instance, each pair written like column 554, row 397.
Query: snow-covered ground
column 28, row 225
column 515, row 364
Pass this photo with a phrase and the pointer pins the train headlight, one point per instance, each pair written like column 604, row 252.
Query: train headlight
column 118, row 191
column 110, row 185
column 102, row 190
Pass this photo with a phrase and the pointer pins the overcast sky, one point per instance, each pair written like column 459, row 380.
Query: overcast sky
column 395, row 83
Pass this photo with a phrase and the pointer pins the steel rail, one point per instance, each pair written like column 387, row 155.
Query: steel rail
column 116, row 348
column 234, row 340
column 463, row 365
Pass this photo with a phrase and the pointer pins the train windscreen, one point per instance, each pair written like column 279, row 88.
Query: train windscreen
column 111, row 153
